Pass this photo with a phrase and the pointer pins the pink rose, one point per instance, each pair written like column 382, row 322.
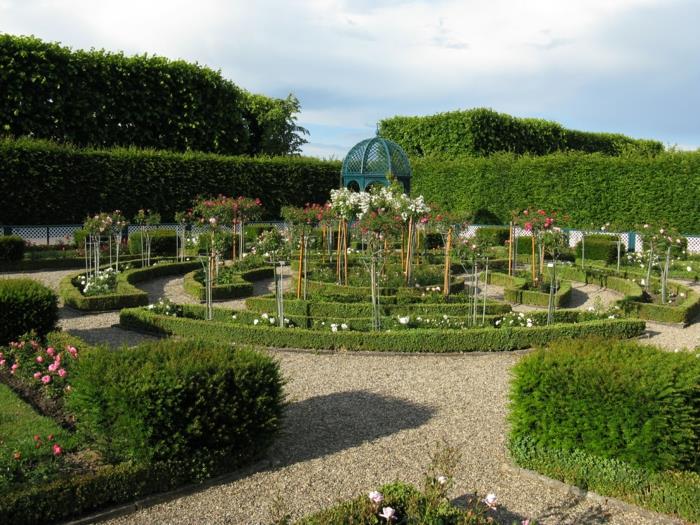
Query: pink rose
column 51, row 351
column 57, row 450
column 2, row 362
column 46, row 380
column 528, row 226
column 37, row 375
column 53, row 367
column 62, row 372
column 39, row 359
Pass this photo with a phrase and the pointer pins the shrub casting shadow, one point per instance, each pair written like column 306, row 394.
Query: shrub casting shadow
column 330, row 423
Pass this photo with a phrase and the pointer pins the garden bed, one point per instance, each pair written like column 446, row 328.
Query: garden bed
column 241, row 287
column 517, row 290
column 225, row 328
column 126, row 294
column 636, row 302
column 122, row 450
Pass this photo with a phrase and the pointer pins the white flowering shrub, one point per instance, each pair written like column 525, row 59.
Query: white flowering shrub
column 101, row 283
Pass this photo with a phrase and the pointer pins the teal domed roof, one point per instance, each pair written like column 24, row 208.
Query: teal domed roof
column 370, row 161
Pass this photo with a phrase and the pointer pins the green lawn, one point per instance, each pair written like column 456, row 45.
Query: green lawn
column 19, row 423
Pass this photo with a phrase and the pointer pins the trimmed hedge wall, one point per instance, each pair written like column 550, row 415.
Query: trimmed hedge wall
column 130, row 179
column 11, row 248
column 126, row 294
column 243, row 288
column 26, row 305
column 179, row 399
column 97, row 98
column 616, row 399
column 482, row 132
column 414, row 340
column 592, row 189
column 613, row 400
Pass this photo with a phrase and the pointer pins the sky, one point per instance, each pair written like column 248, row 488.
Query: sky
column 624, row 66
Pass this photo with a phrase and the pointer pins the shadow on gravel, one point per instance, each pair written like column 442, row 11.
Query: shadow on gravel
column 500, row 515
column 576, row 299
column 571, row 511
column 330, row 423
column 111, row 336
column 575, row 511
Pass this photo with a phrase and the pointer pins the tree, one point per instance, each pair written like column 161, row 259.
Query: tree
column 272, row 125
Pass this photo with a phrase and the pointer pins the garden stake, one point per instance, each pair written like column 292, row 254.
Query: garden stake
column 448, row 247
column 510, row 249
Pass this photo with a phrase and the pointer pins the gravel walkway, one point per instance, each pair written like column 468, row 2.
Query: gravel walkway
column 94, row 328
column 358, row 421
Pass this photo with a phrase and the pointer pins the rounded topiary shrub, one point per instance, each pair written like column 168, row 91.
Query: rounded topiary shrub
column 163, row 242
column 11, row 248
column 612, row 399
column 26, row 305
column 172, row 399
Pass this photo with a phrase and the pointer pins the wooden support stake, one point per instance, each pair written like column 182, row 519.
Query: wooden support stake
column 510, row 249
column 448, row 247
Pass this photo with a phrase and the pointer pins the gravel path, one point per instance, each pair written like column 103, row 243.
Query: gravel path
column 358, row 421
column 94, row 328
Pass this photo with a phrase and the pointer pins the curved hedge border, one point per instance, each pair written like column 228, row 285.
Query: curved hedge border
column 633, row 304
column 414, row 340
column 243, row 286
column 329, row 309
column 126, row 295
column 515, row 291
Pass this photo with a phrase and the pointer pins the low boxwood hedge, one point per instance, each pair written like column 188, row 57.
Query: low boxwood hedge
column 26, row 305
column 413, row 340
column 325, row 309
column 515, row 291
column 11, row 248
column 610, row 400
column 126, row 294
column 242, row 288
column 670, row 492
column 634, row 301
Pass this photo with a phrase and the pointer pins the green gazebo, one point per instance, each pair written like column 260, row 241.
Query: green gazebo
column 370, row 161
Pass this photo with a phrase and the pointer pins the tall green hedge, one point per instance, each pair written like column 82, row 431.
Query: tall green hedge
column 64, row 184
column 482, row 132
column 97, row 98
column 591, row 188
